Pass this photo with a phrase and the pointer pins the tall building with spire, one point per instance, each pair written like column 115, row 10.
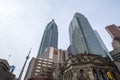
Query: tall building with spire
column 50, row 37
column 83, row 38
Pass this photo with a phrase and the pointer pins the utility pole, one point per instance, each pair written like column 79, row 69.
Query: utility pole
column 21, row 73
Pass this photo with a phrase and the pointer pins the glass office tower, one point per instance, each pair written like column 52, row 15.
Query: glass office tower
column 83, row 38
column 102, row 44
column 50, row 37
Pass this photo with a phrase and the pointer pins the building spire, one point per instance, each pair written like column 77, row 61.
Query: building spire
column 52, row 20
column 27, row 57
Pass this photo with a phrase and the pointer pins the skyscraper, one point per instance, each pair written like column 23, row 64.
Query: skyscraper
column 83, row 38
column 102, row 44
column 50, row 37
column 114, row 31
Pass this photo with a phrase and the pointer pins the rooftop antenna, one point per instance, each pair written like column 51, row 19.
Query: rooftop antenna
column 27, row 57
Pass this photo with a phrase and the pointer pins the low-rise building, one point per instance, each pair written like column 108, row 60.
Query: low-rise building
column 116, row 57
column 47, row 65
column 89, row 67
column 5, row 74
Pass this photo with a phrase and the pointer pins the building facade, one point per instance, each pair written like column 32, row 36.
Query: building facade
column 5, row 74
column 114, row 31
column 47, row 65
column 89, row 67
column 115, row 44
column 39, row 68
column 57, row 55
column 70, row 51
column 50, row 37
column 83, row 38
column 102, row 44
column 116, row 54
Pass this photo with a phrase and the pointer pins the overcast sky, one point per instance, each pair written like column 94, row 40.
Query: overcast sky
column 22, row 23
